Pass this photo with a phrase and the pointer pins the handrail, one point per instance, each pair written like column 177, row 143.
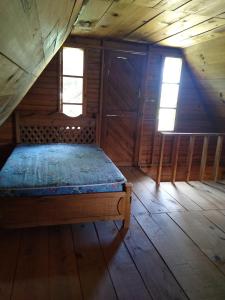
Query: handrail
column 193, row 133
column 192, row 137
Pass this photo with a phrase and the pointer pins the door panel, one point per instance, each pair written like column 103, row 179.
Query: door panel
column 121, row 97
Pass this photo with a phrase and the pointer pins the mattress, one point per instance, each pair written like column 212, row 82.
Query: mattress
column 59, row 169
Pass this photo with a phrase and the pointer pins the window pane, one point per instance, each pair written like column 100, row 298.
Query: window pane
column 72, row 90
column 172, row 69
column 169, row 95
column 73, row 59
column 166, row 119
column 72, row 110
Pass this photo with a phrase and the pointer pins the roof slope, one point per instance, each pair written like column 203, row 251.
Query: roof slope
column 176, row 23
column 207, row 61
column 31, row 32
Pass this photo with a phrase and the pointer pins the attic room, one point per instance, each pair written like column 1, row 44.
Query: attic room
column 112, row 149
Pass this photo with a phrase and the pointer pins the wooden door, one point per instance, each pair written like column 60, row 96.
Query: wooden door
column 121, row 98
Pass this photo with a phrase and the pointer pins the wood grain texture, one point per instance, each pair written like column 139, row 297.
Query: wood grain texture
column 174, row 23
column 121, row 105
column 191, row 116
column 208, row 238
column 208, row 65
column 184, row 258
column 177, row 255
column 8, row 266
column 95, row 279
column 146, row 258
column 64, row 281
column 120, row 265
column 191, row 112
column 55, row 128
column 23, row 212
column 32, row 267
column 26, row 49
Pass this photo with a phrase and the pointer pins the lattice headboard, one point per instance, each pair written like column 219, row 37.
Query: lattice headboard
column 55, row 128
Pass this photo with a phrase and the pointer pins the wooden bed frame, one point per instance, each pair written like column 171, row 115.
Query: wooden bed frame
column 18, row 212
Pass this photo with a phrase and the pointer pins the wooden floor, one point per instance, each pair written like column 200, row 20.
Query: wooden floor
column 175, row 249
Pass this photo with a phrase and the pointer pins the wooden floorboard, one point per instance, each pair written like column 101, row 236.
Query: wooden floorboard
column 95, row 278
column 126, row 278
column 64, row 280
column 197, row 197
column 216, row 217
column 31, row 278
column 155, row 200
column 216, row 185
column 159, row 194
column 198, row 276
column 151, row 265
column 209, row 238
column 214, row 196
column 183, row 199
column 9, row 249
column 173, row 250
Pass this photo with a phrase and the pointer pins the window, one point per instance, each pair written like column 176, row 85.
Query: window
column 72, row 81
column 169, row 93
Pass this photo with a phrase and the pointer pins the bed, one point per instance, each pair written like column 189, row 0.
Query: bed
column 58, row 175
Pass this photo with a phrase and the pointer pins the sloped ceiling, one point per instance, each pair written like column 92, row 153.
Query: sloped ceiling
column 31, row 32
column 207, row 61
column 176, row 23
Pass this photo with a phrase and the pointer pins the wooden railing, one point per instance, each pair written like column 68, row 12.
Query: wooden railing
column 177, row 136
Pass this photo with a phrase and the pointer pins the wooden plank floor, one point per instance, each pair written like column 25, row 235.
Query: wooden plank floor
column 174, row 249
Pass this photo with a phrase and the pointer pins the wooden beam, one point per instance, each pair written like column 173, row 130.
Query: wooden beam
column 204, row 157
column 126, row 47
column 101, row 96
column 17, row 128
column 175, row 158
column 216, row 166
column 143, row 93
column 190, row 156
column 159, row 171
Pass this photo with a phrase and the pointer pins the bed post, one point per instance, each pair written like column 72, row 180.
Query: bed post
column 17, row 127
column 128, row 189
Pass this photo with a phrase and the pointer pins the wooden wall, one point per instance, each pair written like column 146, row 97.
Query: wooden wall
column 207, row 62
column 191, row 114
column 44, row 94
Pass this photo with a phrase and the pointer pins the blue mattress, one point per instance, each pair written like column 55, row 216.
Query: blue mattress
column 59, row 169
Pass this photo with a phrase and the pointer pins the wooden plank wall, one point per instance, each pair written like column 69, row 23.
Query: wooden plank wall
column 191, row 113
column 44, row 94
column 207, row 62
column 192, row 116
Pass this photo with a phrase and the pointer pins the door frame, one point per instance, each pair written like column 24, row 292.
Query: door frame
column 142, row 92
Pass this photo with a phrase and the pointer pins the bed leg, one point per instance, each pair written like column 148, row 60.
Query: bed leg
column 126, row 221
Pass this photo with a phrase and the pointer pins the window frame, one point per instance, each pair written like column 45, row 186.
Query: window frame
column 160, row 93
column 61, row 76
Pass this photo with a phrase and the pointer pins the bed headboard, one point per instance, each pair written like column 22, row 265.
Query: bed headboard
column 43, row 128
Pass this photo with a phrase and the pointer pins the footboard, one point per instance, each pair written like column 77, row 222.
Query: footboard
column 19, row 212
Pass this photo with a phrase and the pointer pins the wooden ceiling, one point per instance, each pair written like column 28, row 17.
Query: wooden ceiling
column 176, row 23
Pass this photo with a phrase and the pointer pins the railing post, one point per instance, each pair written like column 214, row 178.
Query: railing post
column 217, row 157
column 175, row 158
column 190, row 156
column 176, row 140
column 159, row 171
column 204, row 157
